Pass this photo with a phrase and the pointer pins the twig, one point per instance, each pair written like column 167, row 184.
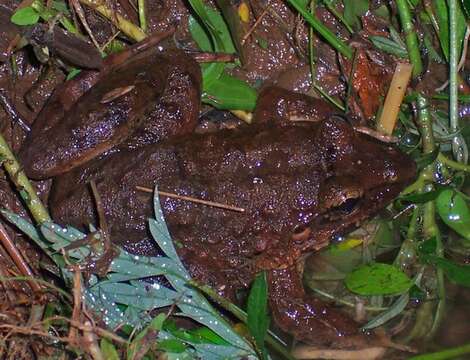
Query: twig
column 203, row 57
column 18, row 258
column 91, row 343
column 192, row 199
column 81, row 15
column 12, row 112
column 250, row 31
column 376, row 134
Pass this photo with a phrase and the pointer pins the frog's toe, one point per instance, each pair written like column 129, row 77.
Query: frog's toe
column 310, row 320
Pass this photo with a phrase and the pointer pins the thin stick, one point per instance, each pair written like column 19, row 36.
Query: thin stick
column 194, row 200
column 17, row 258
column 394, row 98
column 248, row 34
column 81, row 15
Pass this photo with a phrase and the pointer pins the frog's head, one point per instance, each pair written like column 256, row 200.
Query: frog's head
column 363, row 175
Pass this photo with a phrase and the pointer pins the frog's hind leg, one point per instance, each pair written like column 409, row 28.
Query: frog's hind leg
column 309, row 319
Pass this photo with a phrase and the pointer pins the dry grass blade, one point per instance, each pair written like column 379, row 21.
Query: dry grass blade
column 192, row 199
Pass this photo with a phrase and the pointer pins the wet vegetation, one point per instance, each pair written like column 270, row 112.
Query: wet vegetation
column 397, row 69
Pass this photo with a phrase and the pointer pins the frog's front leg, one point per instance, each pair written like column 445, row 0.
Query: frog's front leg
column 309, row 319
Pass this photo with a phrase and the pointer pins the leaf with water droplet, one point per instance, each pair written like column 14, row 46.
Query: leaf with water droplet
column 143, row 296
column 454, row 212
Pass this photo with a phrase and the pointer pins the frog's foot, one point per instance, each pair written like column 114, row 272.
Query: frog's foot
column 309, row 319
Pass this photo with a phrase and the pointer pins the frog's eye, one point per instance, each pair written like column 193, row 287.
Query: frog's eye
column 346, row 207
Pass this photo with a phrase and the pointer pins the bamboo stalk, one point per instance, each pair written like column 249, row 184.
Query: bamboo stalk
column 394, row 98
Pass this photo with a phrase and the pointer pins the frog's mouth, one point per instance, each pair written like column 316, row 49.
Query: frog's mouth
column 350, row 214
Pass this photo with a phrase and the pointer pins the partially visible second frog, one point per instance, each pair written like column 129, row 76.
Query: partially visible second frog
column 296, row 186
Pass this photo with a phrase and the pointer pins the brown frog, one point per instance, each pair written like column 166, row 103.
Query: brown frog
column 299, row 184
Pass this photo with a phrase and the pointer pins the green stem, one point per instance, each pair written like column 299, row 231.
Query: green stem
column 430, row 229
column 452, row 164
column 407, row 251
column 444, row 354
column 411, row 37
column 22, row 184
column 327, row 34
column 453, row 80
column 142, row 17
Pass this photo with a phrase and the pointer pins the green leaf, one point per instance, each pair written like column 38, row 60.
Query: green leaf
column 72, row 73
column 378, row 279
column 257, row 310
column 353, row 9
column 203, row 39
column 427, row 247
column 141, row 338
column 454, row 212
column 228, row 92
column 389, row 46
column 466, row 8
column 172, row 345
column 108, row 350
column 422, row 198
column 459, row 274
column 221, row 90
column 25, row 16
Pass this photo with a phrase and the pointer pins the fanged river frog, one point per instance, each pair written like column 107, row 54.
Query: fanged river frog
column 299, row 183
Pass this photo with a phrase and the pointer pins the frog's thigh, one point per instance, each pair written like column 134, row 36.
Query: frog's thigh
column 308, row 318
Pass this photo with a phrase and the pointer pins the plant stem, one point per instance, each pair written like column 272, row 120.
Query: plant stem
column 430, row 229
column 453, row 164
column 453, row 80
column 410, row 36
column 444, row 354
column 142, row 17
column 327, row 34
column 22, row 184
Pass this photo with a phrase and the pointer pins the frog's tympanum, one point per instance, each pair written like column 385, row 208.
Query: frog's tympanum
column 299, row 183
